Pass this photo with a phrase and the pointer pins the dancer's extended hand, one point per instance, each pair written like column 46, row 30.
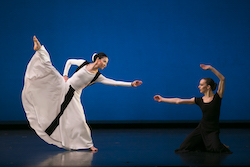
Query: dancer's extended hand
column 158, row 98
column 205, row 67
column 136, row 83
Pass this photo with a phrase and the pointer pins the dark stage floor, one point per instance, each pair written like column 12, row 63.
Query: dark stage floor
column 122, row 147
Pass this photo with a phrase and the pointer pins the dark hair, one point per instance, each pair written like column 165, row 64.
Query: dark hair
column 211, row 82
column 100, row 56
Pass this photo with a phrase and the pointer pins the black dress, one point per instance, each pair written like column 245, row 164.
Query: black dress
column 205, row 137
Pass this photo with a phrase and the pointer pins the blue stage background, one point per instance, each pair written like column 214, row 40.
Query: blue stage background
column 161, row 42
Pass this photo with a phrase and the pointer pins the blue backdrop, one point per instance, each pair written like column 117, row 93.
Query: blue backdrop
column 161, row 42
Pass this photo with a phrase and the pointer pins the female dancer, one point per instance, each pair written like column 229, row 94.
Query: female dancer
column 53, row 106
column 206, row 135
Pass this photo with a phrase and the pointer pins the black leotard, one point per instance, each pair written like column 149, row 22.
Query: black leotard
column 205, row 137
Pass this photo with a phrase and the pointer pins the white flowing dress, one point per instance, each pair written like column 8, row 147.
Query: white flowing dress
column 43, row 93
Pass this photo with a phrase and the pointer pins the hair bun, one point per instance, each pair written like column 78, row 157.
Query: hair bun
column 214, row 86
column 93, row 57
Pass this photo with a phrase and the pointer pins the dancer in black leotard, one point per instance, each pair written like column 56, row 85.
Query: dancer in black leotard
column 206, row 135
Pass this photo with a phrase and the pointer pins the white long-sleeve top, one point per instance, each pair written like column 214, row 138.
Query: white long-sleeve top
column 83, row 77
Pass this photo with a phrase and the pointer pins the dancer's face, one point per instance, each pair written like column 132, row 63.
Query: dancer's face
column 203, row 86
column 102, row 63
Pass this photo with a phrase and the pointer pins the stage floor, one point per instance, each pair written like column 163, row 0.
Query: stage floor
column 122, row 147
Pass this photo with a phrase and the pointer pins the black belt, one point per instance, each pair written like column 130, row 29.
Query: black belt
column 67, row 99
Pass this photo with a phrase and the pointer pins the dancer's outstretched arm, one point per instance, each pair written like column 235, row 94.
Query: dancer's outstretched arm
column 174, row 100
column 102, row 79
column 221, row 87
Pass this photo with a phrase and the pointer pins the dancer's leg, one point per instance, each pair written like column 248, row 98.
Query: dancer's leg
column 37, row 44
column 193, row 142
column 214, row 144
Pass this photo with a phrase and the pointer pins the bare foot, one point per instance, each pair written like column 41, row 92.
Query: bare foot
column 65, row 78
column 37, row 44
column 226, row 146
column 93, row 149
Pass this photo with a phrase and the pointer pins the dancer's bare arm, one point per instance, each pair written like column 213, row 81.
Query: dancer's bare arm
column 174, row 100
column 221, row 87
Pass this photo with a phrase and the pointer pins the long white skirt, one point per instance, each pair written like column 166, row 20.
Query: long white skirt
column 43, row 93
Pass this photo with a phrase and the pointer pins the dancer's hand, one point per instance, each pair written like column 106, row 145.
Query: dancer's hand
column 65, row 78
column 158, row 98
column 136, row 83
column 205, row 67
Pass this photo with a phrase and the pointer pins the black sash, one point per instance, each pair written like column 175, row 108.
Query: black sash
column 83, row 64
column 67, row 99
column 96, row 75
column 65, row 103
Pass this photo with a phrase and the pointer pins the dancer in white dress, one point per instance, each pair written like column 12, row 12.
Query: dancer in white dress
column 52, row 102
